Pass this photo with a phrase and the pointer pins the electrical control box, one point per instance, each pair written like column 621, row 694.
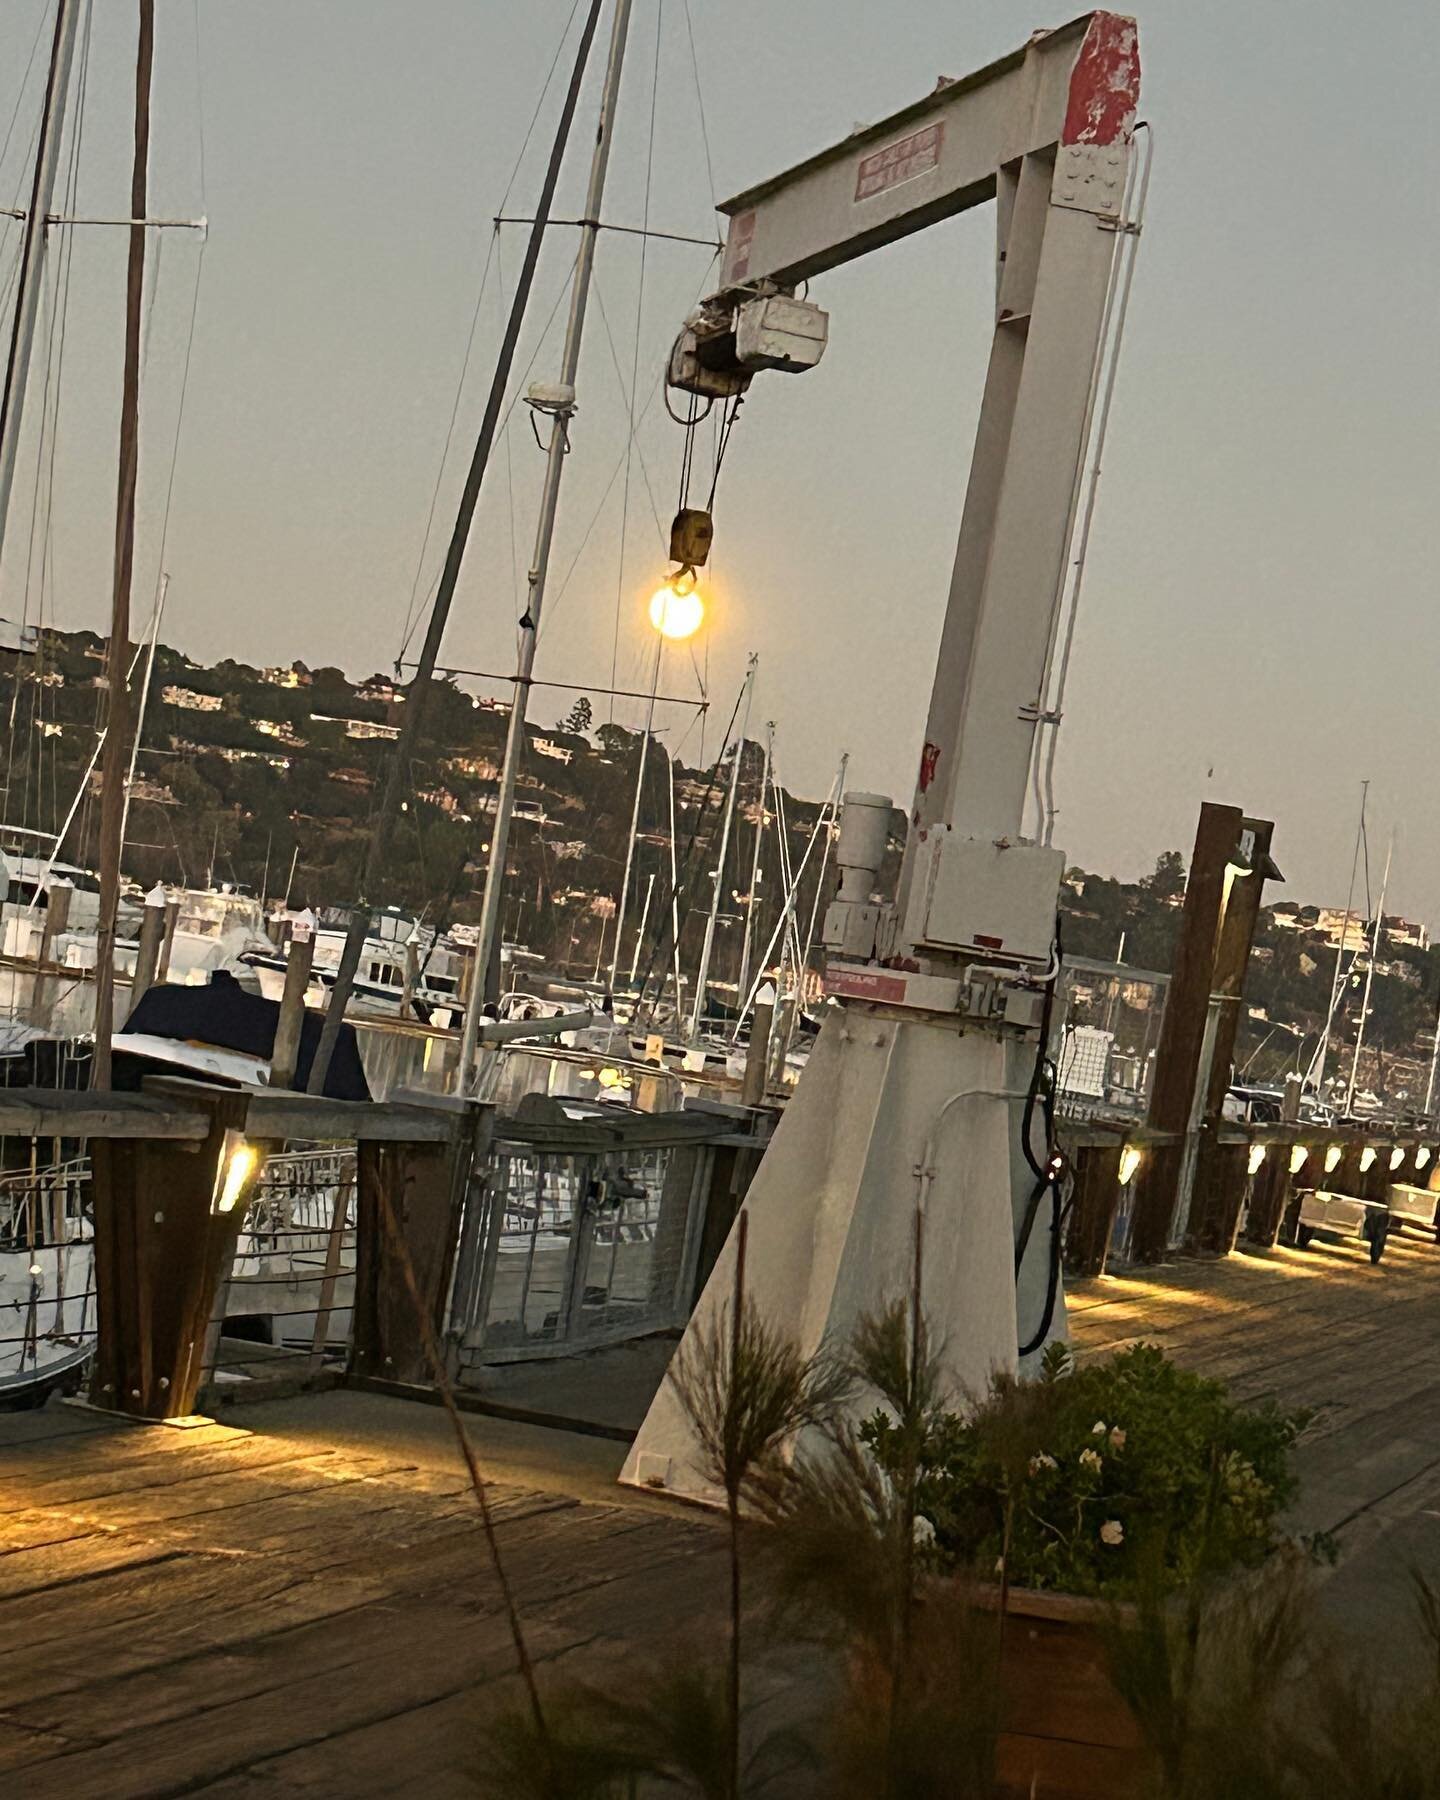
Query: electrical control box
column 977, row 898
column 777, row 332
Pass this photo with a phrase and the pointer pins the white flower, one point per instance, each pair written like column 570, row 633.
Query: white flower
column 1042, row 1461
column 1112, row 1532
column 922, row 1531
column 1099, row 1428
column 1117, row 1438
column 1089, row 1460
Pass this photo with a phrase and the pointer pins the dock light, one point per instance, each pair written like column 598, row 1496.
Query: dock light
column 610, row 1078
column 239, row 1162
column 1422, row 1156
column 677, row 610
column 1129, row 1163
column 1332, row 1158
column 1297, row 1158
column 1367, row 1158
column 1257, row 1156
column 1397, row 1156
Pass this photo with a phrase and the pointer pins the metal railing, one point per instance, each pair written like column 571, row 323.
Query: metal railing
column 291, row 1282
column 47, row 1270
column 567, row 1250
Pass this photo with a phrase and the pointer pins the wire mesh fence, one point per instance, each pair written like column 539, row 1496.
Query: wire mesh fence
column 568, row 1250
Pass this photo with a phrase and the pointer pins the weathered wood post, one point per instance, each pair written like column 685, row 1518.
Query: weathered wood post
column 285, row 1052
column 1220, row 1178
column 1092, row 1211
column 1270, row 1192
column 757, row 1051
column 57, row 917
column 1228, row 865
column 172, row 919
column 147, row 951
column 410, row 1197
column 167, row 1213
column 1182, row 1030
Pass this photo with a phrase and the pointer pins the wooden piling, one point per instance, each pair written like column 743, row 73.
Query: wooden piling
column 161, row 1251
column 147, row 952
column 424, row 1188
column 1093, row 1208
column 285, row 1054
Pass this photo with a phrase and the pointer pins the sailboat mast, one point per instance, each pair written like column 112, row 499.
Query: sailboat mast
column 702, row 975
column 112, row 793
column 1318, row 1066
column 144, row 704
column 1369, row 978
column 416, row 695
column 742, row 987
column 622, row 907
column 488, row 942
column 32, row 253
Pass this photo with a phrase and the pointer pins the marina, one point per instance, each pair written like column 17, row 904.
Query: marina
column 613, row 1211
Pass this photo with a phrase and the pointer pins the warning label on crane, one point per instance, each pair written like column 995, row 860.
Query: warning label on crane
column 899, row 162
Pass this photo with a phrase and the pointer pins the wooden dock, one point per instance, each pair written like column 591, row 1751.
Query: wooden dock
column 237, row 1611
column 300, row 1602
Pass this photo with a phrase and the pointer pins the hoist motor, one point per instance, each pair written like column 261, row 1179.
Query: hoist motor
column 720, row 346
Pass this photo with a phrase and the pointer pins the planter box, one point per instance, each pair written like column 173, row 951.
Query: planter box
column 1065, row 1732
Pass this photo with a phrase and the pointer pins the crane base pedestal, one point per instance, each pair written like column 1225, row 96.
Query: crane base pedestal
column 892, row 1114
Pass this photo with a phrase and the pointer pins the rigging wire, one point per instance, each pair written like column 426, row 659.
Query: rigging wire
column 414, row 609
column 700, row 106
column 49, row 440
column 509, row 453
column 683, row 886
column 631, row 445
column 504, row 424
column 20, row 97
column 634, row 362
column 56, row 299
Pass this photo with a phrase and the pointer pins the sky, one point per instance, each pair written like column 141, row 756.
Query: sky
column 1259, row 623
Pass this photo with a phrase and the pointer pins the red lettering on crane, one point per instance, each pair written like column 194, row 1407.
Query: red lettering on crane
column 929, row 759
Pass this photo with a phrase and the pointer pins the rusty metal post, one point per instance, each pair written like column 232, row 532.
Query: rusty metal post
column 423, row 1187
column 162, row 1249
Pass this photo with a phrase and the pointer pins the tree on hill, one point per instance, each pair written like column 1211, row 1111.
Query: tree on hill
column 579, row 718
column 1168, row 880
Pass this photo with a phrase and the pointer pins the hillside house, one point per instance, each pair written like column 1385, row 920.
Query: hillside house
column 189, row 701
column 281, row 729
column 359, row 728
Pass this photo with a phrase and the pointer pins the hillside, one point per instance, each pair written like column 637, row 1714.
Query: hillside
column 242, row 771
column 1287, row 989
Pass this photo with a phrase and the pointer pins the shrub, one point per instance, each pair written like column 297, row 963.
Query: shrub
column 1079, row 1479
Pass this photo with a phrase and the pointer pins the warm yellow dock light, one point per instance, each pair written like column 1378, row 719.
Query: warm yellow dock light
column 677, row 610
column 239, row 1163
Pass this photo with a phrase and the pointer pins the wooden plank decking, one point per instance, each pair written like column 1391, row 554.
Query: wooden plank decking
column 1360, row 1345
column 228, row 1610
column 303, row 1604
